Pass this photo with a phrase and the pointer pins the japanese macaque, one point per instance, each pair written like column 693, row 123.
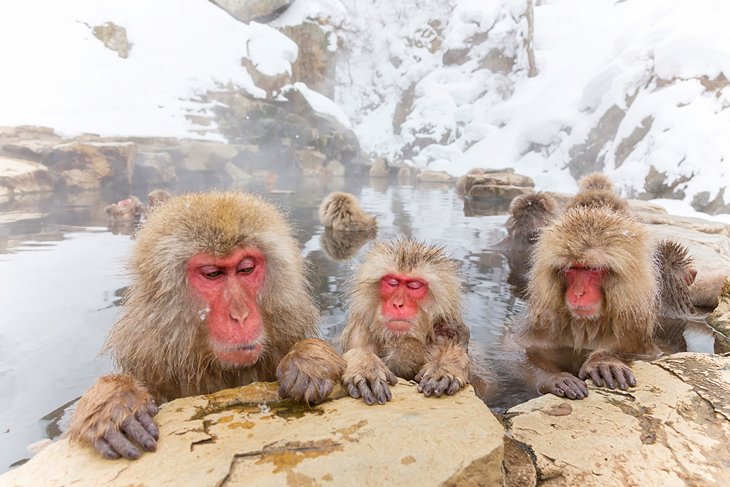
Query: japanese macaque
column 344, row 245
column 157, row 196
column 529, row 214
column 127, row 209
column 596, row 190
column 596, row 181
column 592, row 298
column 405, row 319
column 218, row 298
column 342, row 213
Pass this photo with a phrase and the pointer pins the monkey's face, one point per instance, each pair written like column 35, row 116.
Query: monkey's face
column 228, row 286
column 584, row 292
column 401, row 299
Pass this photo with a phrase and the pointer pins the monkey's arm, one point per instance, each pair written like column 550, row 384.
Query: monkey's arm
column 309, row 371
column 446, row 369
column 113, row 414
column 549, row 376
column 605, row 367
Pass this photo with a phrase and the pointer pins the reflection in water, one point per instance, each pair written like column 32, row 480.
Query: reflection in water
column 60, row 248
column 343, row 245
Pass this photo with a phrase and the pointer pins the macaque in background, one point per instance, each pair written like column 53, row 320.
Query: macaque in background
column 597, row 190
column 681, row 328
column 157, row 196
column 529, row 213
column 218, row 298
column 405, row 319
column 127, row 209
column 342, row 213
column 592, row 300
column 343, row 245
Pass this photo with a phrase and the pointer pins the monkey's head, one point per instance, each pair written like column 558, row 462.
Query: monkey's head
column 597, row 198
column 220, row 259
column 595, row 181
column 594, row 263
column 405, row 287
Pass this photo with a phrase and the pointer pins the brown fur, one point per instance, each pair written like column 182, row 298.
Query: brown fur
column 127, row 209
column 675, row 268
column 595, row 182
column 343, row 245
column 439, row 323
column 342, row 213
column 595, row 237
column 160, row 341
column 529, row 213
column 597, row 198
column 157, row 196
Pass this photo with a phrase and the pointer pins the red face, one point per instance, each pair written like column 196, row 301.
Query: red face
column 229, row 286
column 584, row 295
column 401, row 296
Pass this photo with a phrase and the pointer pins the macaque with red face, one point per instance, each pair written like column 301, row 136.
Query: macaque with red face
column 592, row 298
column 405, row 319
column 127, row 209
column 218, row 299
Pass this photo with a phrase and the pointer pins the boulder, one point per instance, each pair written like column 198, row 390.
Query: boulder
column 497, row 191
column 206, row 156
column 22, row 176
column 88, row 165
column 672, row 429
column 379, row 169
column 247, row 436
column 434, row 177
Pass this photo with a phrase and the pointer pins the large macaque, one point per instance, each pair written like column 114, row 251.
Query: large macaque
column 218, row 299
column 405, row 319
column 592, row 299
column 342, row 213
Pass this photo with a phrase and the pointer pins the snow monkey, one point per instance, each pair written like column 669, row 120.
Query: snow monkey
column 218, row 298
column 342, row 213
column 405, row 319
column 529, row 213
column 592, row 298
column 595, row 190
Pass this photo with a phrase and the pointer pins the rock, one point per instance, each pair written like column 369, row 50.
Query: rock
column 497, row 179
column 310, row 161
column 497, row 191
column 269, row 83
column 21, row 176
column 114, row 37
column 672, row 429
column 87, row 165
column 247, row 437
column 379, row 169
column 335, row 168
column 236, row 173
column 434, row 177
column 719, row 319
column 154, row 168
column 315, row 63
column 247, row 10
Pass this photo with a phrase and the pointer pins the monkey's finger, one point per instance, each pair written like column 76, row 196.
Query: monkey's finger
column 366, row 393
column 122, row 445
column 299, row 389
column 149, row 424
column 418, row 378
column 134, row 430
column 583, row 387
column 311, row 394
column 286, row 381
column 558, row 391
column 101, row 445
column 630, row 377
column 325, row 388
column 607, row 376
column 391, row 378
column 352, row 390
column 596, row 378
column 152, row 408
column 441, row 386
column 573, row 388
column 454, row 387
column 618, row 374
column 388, row 394
column 378, row 388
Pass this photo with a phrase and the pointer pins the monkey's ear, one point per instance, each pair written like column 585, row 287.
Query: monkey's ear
column 691, row 276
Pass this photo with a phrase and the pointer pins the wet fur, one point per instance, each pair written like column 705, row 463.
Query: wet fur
column 529, row 213
column 342, row 213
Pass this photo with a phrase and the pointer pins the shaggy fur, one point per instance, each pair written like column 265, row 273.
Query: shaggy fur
column 595, row 182
column 342, row 213
column 529, row 213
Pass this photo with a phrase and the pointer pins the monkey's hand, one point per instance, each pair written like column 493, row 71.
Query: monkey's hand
column 446, row 371
column 113, row 414
column 604, row 368
column 367, row 376
column 309, row 371
column 562, row 384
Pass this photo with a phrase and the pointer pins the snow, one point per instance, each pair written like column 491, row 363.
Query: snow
column 320, row 104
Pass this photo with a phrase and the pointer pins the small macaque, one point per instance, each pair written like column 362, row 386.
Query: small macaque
column 405, row 320
column 596, row 190
column 592, row 299
column 529, row 214
column 218, row 299
column 342, row 213
column 125, row 210
column 157, row 196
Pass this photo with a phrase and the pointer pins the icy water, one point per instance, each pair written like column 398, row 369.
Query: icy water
column 62, row 275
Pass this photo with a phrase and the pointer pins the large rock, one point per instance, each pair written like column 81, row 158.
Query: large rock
column 114, row 37
column 247, row 437
column 20, row 176
column 672, row 429
column 88, row 165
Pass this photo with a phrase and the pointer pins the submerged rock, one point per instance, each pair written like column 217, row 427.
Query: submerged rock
column 247, row 436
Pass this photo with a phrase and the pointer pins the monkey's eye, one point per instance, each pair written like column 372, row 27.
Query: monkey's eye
column 391, row 281
column 414, row 284
column 213, row 274
column 246, row 266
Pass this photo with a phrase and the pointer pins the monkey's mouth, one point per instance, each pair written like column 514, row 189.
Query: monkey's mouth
column 241, row 354
column 586, row 312
column 399, row 326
